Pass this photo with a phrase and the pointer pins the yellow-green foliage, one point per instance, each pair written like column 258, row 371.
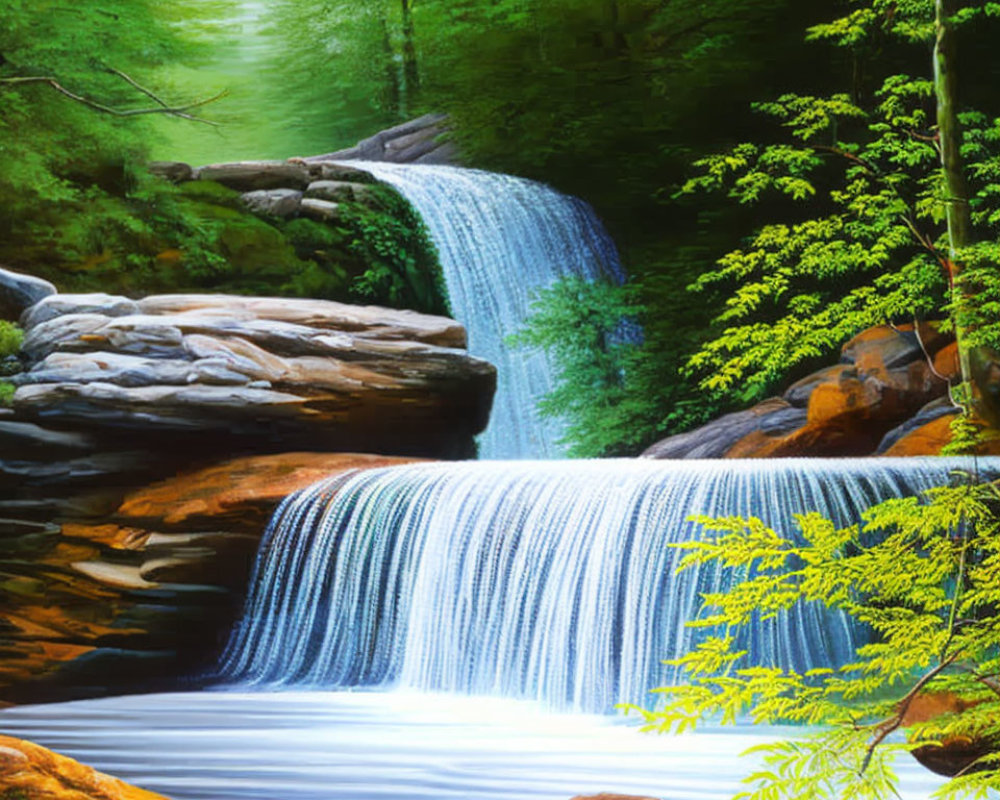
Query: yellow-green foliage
column 10, row 338
column 922, row 572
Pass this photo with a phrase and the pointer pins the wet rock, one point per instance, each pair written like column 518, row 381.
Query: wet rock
column 28, row 771
column 19, row 291
column 173, row 171
column 927, row 443
column 273, row 202
column 251, row 176
column 242, row 491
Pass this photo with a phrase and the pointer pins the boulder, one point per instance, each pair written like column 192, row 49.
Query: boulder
column 320, row 210
column 332, row 171
column 251, row 176
column 421, row 141
column 173, row 171
column 952, row 755
column 273, row 202
column 768, row 419
column 883, row 398
column 19, row 292
column 31, row 772
column 612, row 796
column 302, row 372
column 339, row 191
column 930, row 440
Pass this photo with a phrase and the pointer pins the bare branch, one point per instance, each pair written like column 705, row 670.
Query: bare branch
column 162, row 107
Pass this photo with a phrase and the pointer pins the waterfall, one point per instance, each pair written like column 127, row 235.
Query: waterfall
column 499, row 240
column 548, row 581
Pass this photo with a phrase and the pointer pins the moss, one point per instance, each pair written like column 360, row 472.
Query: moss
column 11, row 337
column 6, row 394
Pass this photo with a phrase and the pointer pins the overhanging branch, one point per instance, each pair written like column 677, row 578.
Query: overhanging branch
column 162, row 107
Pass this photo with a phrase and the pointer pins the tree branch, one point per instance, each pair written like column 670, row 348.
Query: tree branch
column 162, row 106
column 883, row 729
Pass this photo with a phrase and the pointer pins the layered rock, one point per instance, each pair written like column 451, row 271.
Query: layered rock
column 419, row 141
column 133, row 596
column 290, row 373
column 888, row 396
column 30, row 772
column 148, row 443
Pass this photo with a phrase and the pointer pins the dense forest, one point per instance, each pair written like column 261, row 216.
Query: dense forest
column 778, row 176
column 612, row 100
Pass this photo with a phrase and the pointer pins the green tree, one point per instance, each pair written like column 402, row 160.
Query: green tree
column 902, row 191
column 923, row 574
column 604, row 390
column 911, row 229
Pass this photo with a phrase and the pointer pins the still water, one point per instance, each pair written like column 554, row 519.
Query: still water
column 406, row 746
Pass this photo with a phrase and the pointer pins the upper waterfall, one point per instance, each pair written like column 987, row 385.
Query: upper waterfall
column 500, row 239
column 552, row 581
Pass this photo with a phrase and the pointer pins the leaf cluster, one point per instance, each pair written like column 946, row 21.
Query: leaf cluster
column 922, row 573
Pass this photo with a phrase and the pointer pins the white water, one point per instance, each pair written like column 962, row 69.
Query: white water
column 550, row 581
column 500, row 239
column 389, row 746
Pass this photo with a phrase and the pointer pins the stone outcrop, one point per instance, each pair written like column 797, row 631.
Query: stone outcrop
column 148, row 443
column 143, row 585
column 290, row 372
column 314, row 186
column 30, row 772
column 419, row 141
column 888, row 396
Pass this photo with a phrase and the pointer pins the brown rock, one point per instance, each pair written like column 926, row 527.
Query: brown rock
column 243, row 492
column 946, row 362
column 952, row 755
column 766, row 420
column 174, row 171
column 35, row 773
column 887, row 347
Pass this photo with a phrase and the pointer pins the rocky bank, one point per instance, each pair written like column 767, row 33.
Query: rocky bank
column 148, row 441
column 888, row 396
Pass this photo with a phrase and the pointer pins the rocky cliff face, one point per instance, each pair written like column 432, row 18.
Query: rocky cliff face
column 887, row 396
column 148, row 442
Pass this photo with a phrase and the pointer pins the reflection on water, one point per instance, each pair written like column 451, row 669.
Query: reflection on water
column 361, row 746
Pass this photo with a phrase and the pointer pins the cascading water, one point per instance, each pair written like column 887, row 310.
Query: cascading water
column 548, row 581
column 500, row 239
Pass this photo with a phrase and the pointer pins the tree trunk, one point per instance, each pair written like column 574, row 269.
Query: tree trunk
column 411, row 74
column 960, row 232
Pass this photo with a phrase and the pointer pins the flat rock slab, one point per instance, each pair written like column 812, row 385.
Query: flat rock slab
column 241, row 491
column 337, row 375
column 250, row 176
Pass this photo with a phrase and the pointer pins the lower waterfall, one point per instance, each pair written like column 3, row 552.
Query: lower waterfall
column 549, row 581
column 499, row 240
